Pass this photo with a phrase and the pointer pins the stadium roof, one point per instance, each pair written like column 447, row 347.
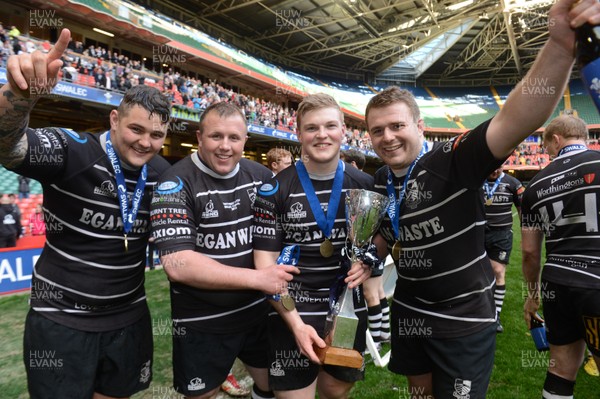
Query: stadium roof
column 448, row 42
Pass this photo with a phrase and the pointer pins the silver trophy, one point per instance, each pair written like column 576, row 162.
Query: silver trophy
column 364, row 212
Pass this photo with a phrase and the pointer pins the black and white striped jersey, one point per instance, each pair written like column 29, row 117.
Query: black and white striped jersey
column 444, row 274
column 283, row 216
column 499, row 213
column 563, row 200
column 84, row 278
column 196, row 209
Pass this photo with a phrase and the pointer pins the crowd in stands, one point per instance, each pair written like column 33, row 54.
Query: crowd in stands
column 13, row 43
column 97, row 66
column 529, row 154
column 533, row 154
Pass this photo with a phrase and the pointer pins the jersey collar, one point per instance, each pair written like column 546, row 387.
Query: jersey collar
column 203, row 168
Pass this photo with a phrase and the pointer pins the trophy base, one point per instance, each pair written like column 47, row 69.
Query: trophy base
column 335, row 356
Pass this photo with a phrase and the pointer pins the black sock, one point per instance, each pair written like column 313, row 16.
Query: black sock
column 258, row 394
column 557, row 387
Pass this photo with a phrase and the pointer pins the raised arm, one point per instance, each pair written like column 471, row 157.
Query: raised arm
column 29, row 76
column 534, row 99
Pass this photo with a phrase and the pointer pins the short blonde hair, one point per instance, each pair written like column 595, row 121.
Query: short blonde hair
column 316, row 101
column 277, row 154
column 567, row 126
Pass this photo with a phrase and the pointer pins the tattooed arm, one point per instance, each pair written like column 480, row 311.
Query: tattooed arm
column 14, row 117
column 29, row 75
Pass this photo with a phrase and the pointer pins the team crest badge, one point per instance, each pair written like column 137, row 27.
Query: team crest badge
column 589, row 178
column 461, row 388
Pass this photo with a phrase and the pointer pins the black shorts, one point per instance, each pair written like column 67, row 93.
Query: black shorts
column 498, row 244
column 290, row 370
column 201, row 361
column 461, row 367
column 62, row 362
column 572, row 314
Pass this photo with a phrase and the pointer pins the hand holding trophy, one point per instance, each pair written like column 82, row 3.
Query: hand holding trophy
column 364, row 212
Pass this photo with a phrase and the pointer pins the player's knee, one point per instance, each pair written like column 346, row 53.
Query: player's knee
column 335, row 392
column 372, row 299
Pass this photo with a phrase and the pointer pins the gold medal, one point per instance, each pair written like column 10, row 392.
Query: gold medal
column 126, row 247
column 396, row 249
column 326, row 248
column 288, row 302
column 489, row 201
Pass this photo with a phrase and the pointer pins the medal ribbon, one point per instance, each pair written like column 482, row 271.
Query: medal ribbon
column 394, row 206
column 571, row 148
column 289, row 255
column 325, row 223
column 128, row 215
column 489, row 193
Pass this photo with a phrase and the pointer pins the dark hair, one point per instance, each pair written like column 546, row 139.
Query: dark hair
column 356, row 156
column 149, row 98
column 222, row 109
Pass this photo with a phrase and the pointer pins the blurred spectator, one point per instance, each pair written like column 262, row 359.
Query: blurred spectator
column 16, row 211
column 3, row 34
column 8, row 224
column 46, row 46
column 78, row 47
column 100, row 77
column 354, row 158
column 37, row 226
column 5, row 51
column 14, row 32
column 23, row 186
column 17, row 46
column 278, row 159
column 30, row 46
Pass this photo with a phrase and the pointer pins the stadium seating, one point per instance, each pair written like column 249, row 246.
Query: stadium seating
column 9, row 184
column 468, row 109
